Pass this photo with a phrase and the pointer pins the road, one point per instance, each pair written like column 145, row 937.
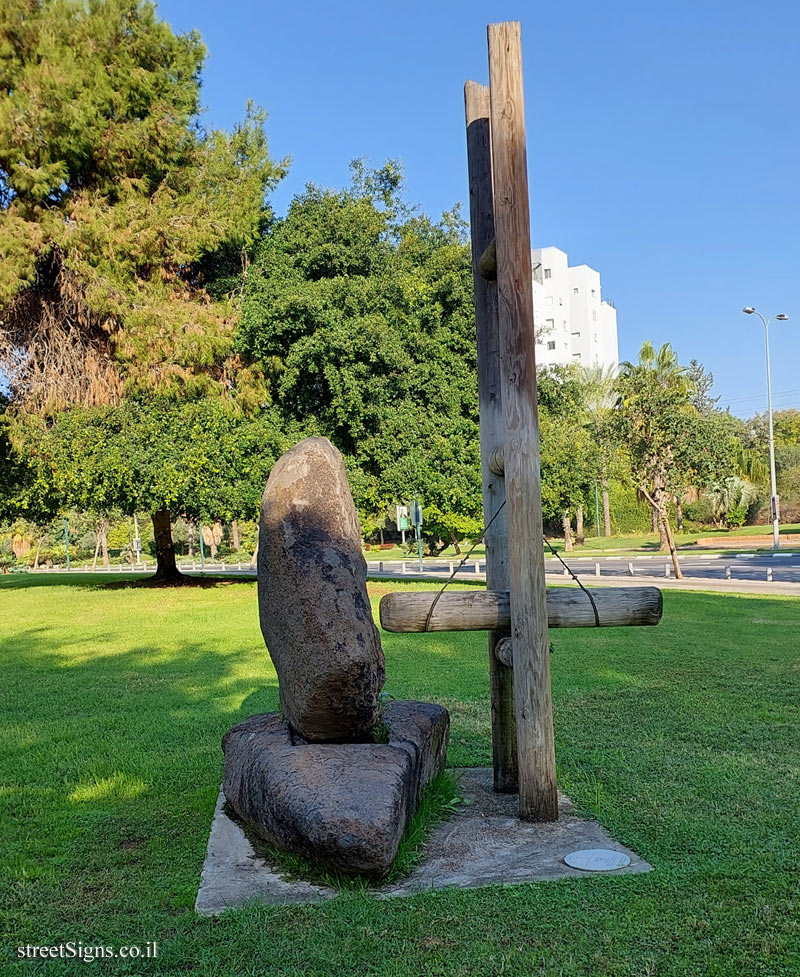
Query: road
column 784, row 568
column 755, row 573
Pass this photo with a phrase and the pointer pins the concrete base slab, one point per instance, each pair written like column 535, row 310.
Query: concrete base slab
column 485, row 843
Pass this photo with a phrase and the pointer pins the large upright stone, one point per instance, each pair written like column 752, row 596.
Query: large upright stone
column 312, row 597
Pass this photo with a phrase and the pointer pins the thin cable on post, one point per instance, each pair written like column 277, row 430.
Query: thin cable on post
column 486, row 529
column 575, row 578
column 450, row 579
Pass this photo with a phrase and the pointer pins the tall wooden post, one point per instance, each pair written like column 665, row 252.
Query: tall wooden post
column 481, row 210
column 538, row 795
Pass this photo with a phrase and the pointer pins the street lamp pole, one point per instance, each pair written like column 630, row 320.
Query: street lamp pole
column 776, row 532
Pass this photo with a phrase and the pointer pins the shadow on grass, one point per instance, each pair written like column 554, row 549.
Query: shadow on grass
column 112, row 581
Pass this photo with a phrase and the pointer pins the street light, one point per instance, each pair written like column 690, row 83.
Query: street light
column 776, row 533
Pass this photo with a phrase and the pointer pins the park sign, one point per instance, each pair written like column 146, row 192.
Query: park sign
column 401, row 517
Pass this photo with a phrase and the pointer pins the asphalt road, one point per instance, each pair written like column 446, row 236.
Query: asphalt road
column 784, row 568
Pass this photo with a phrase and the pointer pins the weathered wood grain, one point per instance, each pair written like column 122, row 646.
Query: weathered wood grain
column 484, row 610
column 492, row 425
column 532, row 695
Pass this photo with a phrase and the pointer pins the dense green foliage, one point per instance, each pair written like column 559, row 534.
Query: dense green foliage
column 115, row 205
column 362, row 310
column 670, row 444
column 679, row 739
column 128, row 458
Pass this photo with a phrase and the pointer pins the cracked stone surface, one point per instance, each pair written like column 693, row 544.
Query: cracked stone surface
column 312, row 597
column 346, row 805
column 485, row 843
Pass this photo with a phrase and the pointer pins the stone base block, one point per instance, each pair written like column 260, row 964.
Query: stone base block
column 344, row 805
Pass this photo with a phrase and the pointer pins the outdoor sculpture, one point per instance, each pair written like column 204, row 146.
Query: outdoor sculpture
column 348, row 803
column 332, row 777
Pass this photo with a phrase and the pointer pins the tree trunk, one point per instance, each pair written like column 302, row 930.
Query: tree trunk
column 567, row 524
column 606, row 511
column 237, row 543
column 653, row 519
column 166, row 568
column 102, row 529
column 678, row 515
column 254, row 557
column 579, row 538
column 96, row 547
column 38, row 551
column 670, row 543
column 190, row 535
column 380, row 531
column 454, row 541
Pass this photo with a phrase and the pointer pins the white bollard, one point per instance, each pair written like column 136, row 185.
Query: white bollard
column 450, row 567
column 403, row 567
column 380, row 567
column 477, row 566
column 769, row 573
column 666, row 569
column 565, row 572
column 597, row 569
column 727, row 573
column 630, row 569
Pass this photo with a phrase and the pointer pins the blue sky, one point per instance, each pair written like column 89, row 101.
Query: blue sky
column 663, row 142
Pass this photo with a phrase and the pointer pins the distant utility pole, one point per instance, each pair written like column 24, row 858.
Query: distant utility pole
column 774, row 501
column 416, row 521
column 137, row 540
column 66, row 539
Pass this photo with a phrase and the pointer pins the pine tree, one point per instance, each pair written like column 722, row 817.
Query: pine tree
column 115, row 207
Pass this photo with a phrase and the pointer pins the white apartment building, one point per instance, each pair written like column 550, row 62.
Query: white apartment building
column 573, row 324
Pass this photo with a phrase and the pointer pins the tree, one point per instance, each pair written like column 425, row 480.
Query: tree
column 670, row 444
column 702, row 384
column 116, row 207
column 599, row 403
column 361, row 311
column 131, row 457
column 569, row 467
column 124, row 226
column 731, row 499
column 569, row 450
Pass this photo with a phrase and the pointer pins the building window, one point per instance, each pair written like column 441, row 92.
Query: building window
column 594, row 315
column 574, row 291
column 551, row 345
column 549, row 323
column 564, row 324
column 548, row 300
column 577, row 334
column 560, row 301
column 547, row 273
column 593, row 293
column 576, row 356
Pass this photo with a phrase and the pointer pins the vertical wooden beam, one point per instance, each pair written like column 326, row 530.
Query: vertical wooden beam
column 538, row 796
column 481, row 212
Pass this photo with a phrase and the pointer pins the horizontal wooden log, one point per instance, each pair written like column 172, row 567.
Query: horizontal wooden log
column 485, row 610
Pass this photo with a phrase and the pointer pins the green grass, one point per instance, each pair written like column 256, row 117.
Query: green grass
column 682, row 740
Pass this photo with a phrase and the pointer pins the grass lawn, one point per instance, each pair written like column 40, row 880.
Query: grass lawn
column 682, row 739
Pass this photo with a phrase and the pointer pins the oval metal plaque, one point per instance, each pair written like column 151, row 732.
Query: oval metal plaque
column 597, row 859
